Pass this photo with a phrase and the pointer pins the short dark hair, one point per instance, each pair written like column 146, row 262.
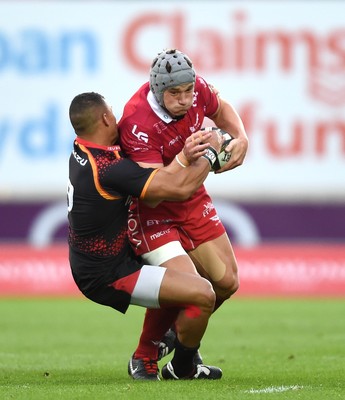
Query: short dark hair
column 84, row 111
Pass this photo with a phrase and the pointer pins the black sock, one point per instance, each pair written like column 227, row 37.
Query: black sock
column 183, row 359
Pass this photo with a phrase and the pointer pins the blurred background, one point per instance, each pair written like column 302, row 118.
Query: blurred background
column 280, row 63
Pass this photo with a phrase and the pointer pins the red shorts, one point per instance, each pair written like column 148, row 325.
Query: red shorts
column 191, row 222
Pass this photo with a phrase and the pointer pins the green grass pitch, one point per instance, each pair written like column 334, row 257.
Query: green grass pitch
column 267, row 348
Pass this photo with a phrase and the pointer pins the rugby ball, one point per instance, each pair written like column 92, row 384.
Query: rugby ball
column 223, row 157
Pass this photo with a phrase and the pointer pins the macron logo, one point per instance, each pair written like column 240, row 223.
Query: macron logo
column 140, row 135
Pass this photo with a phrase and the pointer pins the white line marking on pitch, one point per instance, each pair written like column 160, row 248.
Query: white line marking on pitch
column 274, row 389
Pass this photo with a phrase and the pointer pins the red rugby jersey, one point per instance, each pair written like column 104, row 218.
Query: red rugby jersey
column 147, row 132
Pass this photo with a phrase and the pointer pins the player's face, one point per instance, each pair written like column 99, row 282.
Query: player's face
column 112, row 123
column 179, row 99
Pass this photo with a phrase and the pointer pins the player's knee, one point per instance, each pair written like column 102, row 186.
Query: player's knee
column 210, row 297
column 234, row 286
column 227, row 286
column 206, row 297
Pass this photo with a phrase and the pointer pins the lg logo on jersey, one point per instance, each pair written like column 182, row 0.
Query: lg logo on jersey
column 140, row 135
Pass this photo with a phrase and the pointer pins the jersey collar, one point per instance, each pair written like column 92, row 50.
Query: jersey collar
column 158, row 109
column 97, row 146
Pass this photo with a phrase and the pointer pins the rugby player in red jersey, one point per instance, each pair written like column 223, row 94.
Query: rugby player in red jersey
column 187, row 236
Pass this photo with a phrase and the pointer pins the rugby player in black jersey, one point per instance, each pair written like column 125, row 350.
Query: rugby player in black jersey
column 101, row 184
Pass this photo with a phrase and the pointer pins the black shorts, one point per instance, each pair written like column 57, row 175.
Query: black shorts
column 95, row 278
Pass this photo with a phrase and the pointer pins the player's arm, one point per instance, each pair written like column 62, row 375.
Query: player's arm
column 186, row 173
column 195, row 147
column 227, row 118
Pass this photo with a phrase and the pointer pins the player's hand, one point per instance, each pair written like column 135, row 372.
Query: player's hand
column 238, row 148
column 216, row 140
column 196, row 145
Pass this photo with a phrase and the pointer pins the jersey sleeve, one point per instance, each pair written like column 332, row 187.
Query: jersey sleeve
column 127, row 178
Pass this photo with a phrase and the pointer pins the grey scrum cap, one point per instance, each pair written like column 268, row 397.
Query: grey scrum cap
column 170, row 68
